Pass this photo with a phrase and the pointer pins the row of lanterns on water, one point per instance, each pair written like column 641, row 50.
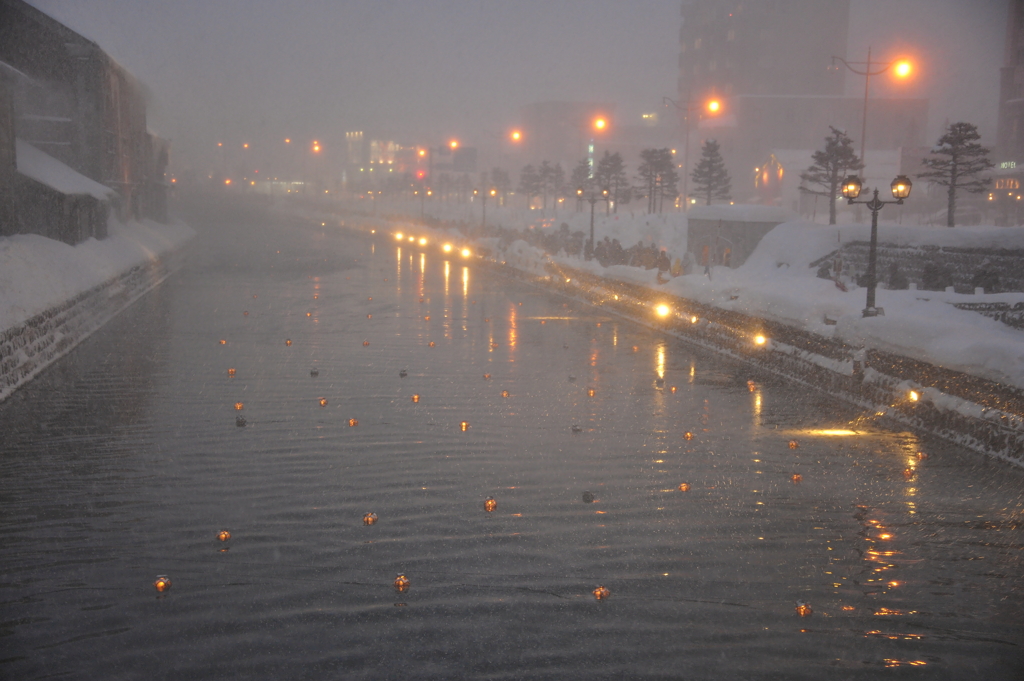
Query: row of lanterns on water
column 402, row 582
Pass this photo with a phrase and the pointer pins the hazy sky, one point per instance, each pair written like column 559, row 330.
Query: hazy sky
column 424, row 70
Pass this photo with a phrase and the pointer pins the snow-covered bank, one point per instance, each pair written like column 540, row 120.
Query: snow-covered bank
column 778, row 283
column 53, row 296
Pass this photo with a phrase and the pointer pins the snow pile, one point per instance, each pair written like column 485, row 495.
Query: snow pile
column 37, row 273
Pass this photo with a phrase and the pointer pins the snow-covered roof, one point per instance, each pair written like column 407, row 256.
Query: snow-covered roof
column 46, row 169
column 741, row 212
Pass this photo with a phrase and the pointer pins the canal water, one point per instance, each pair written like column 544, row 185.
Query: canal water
column 126, row 460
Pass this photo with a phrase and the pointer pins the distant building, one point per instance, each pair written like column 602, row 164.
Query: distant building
column 761, row 47
column 769, row 65
column 565, row 132
column 1009, row 150
column 76, row 105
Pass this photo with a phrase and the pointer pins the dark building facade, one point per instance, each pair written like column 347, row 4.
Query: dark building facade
column 1006, row 195
column 769, row 65
column 77, row 105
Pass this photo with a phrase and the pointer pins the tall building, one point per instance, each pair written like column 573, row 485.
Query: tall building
column 768, row 64
column 1009, row 151
column 761, row 47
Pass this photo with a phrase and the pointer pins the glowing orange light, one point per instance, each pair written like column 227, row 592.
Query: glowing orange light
column 464, row 426
column 759, row 339
column 487, row 377
column 227, row 180
column 288, row 341
column 401, row 583
column 600, row 124
column 239, row 406
column 601, row 593
column 162, row 583
column 504, row 393
column 366, row 343
column 793, row 444
column 751, row 386
column 352, row 423
column 220, row 144
column 591, row 392
column 803, row 609
column 796, row 478
column 231, row 372
column 245, row 146
column 416, row 398
column 323, row 401
column 369, row 518
column 688, row 435
column 516, row 135
column 490, row 504
column 223, row 342
column 684, row 487
column 903, row 68
column 287, row 140
column 714, row 106
column 431, row 344
column 224, row 535
column 454, row 144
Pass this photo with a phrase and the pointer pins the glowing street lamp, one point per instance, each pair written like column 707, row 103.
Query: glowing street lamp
column 902, row 68
column 852, row 187
column 711, row 107
column 516, row 136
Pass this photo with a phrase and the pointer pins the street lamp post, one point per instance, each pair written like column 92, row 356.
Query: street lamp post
column 593, row 197
column 903, row 69
column 713, row 107
column 491, row 193
column 851, row 190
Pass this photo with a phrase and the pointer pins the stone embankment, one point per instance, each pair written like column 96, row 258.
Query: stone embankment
column 981, row 415
column 28, row 348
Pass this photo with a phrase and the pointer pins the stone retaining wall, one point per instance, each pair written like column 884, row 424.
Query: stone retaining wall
column 975, row 413
column 30, row 347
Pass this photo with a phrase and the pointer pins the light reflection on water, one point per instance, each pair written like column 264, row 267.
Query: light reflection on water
column 99, row 501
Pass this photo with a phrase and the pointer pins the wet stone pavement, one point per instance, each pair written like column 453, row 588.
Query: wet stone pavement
column 742, row 527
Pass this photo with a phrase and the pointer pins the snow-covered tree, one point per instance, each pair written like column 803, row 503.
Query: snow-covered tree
column 831, row 165
column 710, row 178
column 580, row 177
column 956, row 162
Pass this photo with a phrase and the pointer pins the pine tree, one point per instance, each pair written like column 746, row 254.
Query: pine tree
column 710, row 179
column 580, row 178
column 956, row 162
column 658, row 177
column 556, row 183
column 611, row 173
column 502, row 182
column 830, row 167
column 529, row 183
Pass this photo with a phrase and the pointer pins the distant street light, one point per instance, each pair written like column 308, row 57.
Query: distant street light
column 712, row 107
column 593, row 197
column 852, row 187
column 903, row 69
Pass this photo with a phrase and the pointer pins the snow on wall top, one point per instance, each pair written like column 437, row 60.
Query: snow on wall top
column 747, row 212
column 44, row 168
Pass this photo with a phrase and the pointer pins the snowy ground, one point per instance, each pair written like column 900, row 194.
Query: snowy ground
column 778, row 283
column 37, row 273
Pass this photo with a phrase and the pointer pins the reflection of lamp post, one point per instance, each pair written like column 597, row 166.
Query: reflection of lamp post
column 713, row 107
column 903, row 69
column 851, row 190
column 593, row 197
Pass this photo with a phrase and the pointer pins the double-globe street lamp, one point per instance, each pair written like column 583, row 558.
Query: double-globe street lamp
column 593, row 197
column 490, row 193
column 852, row 187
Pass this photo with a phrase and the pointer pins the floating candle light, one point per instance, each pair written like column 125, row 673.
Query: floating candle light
column 223, row 342
column 415, row 398
column 464, row 426
column 366, row 343
column 353, row 423
column 323, row 401
column 796, row 477
column 601, row 593
column 803, row 609
column 369, row 518
column 490, row 504
column 684, row 487
column 793, row 444
column 688, row 435
column 162, row 583
column 288, row 341
column 239, row 406
column 231, row 372
column 504, row 393
column 402, row 583
column 224, row 535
